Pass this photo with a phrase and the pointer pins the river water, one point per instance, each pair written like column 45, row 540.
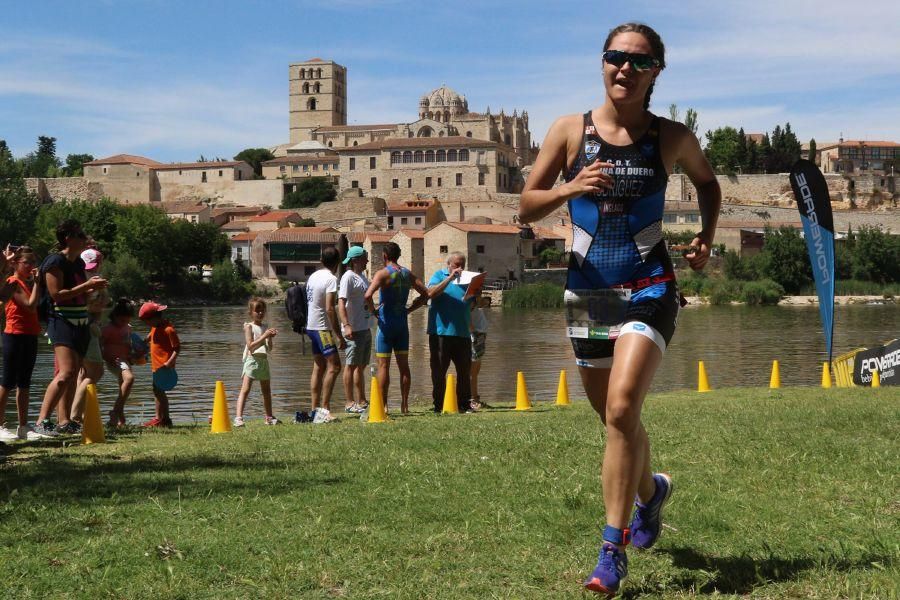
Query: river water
column 737, row 344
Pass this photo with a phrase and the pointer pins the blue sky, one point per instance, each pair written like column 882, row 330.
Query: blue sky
column 174, row 80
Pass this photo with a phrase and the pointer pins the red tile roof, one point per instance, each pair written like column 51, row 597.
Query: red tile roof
column 453, row 141
column 412, row 233
column 245, row 237
column 224, row 164
column 324, row 235
column 545, row 233
column 274, row 216
column 298, row 159
column 184, row 207
column 237, row 210
column 335, row 128
column 872, row 144
column 411, row 206
column 233, row 226
column 124, row 159
column 380, row 236
column 484, row 228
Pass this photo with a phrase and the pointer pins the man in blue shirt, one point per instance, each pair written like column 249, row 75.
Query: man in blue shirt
column 449, row 333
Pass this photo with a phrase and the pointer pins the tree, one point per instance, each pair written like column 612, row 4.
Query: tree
column 255, row 157
column 812, row 151
column 876, row 255
column 673, row 113
column 43, row 162
column 723, row 149
column 75, row 164
column 307, row 222
column 197, row 243
column 550, row 255
column 784, row 259
column 690, row 120
column 763, row 154
column 310, row 193
column 144, row 231
column 98, row 220
column 741, row 153
column 18, row 208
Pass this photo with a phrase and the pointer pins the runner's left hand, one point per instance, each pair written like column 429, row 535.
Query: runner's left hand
column 698, row 254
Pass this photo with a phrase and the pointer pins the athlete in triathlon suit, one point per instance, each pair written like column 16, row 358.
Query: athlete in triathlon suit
column 395, row 282
column 621, row 298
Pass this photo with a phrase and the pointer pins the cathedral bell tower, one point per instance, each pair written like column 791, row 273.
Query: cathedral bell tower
column 318, row 96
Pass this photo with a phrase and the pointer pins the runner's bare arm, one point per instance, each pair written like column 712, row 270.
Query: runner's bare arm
column 709, row 196
column 374, row 286
column 540, row 198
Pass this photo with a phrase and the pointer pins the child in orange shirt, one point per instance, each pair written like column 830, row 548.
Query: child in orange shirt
column 164, row 349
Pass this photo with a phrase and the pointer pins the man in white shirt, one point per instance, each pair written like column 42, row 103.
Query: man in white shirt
column 323, row 329
column 355, row 327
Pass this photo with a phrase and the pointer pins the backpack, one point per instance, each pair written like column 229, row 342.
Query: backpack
column 45, row 302
column 295, row 304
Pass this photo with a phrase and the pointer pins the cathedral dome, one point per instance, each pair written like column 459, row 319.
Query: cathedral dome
column 446, row 97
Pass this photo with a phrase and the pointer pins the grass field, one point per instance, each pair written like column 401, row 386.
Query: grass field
column 779, row 494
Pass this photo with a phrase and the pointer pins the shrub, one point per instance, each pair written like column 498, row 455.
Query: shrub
column 226, row 284
column 765, row 291
column 740, row 268
column 127, row 279
column 693, row 284
column 534, row 295
column 723, row 291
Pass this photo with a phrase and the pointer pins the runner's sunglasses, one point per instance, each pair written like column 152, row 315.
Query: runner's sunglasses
column 639, row 62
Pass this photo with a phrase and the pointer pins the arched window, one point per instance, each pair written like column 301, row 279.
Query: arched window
column 446, row 116
column 451, row 156
column 306, row 88
column 319, row 73
column 507, row 140
column 302, row 73
column 440, row 134
column 441, row 156
column 463, row 155
column 329, row 144
column 429, row 156
column 437, row 117
column 407, row 157
column 430, row 115
column 355, row 143
column 396, row 157
column 468, row 134
column 311, row 104
column 418, row 156
column 426, row 131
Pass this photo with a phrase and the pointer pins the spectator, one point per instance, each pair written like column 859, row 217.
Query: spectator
column 449, row 325
column 355, row 324
column 164, row 350
column 323, row 329
column 67, row 323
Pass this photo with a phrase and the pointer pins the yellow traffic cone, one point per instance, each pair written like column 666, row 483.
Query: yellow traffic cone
column 826, row 375
column 92, row 428
column 522, row 401
column 702, row 380
column 876, row 379
column 775, row 379
column 451, row 406
column 377, row 413
column 562, row 391
column 220, row 421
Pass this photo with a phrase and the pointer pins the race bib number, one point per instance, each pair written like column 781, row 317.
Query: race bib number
column 596, row 314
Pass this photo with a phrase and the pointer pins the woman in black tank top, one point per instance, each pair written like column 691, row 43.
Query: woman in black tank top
column 615, row 239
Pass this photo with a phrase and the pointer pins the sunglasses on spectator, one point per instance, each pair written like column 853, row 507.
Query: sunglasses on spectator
column 639, row 62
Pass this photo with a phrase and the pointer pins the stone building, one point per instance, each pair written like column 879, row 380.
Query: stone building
column 416, row 213
column 291, row 253
column 495, row 249
column 188, row 210
column 420, row 165
column 412, row 249
column 317, row 97
column 275, row 219
column 855, row 156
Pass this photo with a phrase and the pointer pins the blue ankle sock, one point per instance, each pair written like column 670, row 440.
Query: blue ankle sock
column 617, row 536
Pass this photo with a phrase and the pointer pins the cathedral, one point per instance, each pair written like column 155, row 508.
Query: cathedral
column 318, row 118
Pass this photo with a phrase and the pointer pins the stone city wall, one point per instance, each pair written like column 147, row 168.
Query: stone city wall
column 55, row 189
column 262, row 192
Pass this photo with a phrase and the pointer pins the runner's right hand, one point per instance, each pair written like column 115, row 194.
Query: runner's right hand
column 96, row 283
column 590, row 180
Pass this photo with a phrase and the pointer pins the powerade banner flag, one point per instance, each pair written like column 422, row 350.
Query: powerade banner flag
column 811, row 193
column 884, row 359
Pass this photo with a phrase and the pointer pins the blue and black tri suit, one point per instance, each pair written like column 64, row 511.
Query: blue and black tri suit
column 618, row 243
column 393, row 330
